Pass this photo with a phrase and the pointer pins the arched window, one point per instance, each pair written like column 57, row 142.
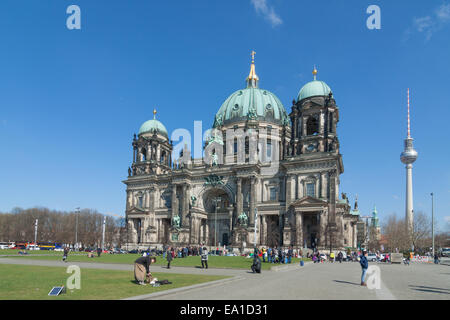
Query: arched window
column 311, row 189
column 143, row 154
column 312, row 126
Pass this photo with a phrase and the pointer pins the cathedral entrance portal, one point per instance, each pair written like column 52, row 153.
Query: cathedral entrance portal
column 217, row 203
column 311, row 222
column 273, row 230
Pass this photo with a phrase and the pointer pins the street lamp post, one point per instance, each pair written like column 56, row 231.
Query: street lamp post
column 432, row 222
column 216, row 201
column 35, row 233
column 76, row 227
column 256, row 223
column 103, row 233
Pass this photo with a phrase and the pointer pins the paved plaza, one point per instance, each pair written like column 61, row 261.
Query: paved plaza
column 292, row 282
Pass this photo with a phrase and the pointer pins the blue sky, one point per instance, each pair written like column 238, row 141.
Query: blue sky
column 71, row 100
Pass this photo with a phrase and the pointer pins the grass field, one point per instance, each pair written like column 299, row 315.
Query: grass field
column 20, row 282
column 191, row 261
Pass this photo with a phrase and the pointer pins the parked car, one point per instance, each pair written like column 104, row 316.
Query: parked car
column 372, row 257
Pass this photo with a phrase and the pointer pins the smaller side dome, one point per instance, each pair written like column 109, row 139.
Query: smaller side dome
column 153, row 126
column 313, row 88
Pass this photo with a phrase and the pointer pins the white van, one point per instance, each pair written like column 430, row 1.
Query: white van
column 33, row 247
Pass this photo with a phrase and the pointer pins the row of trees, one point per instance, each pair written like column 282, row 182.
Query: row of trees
column 62, row 227
column 395, row 237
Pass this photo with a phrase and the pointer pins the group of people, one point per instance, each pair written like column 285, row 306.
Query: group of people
column 170, row 253
column 182, row 252
column 277, row 254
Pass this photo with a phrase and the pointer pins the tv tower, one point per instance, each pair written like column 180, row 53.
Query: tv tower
column 408, row 156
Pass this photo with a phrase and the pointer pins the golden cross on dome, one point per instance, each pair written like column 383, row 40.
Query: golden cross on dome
column 253, row 56
column 154, row 113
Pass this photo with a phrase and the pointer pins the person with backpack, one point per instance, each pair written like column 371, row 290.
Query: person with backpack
column 364, row 265
column 204, row 258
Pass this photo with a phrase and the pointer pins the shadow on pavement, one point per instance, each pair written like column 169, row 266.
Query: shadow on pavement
column 340, row 281
column 432, row 288
column 432, row 291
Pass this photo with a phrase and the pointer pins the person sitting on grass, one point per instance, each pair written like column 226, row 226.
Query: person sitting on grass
column 142, row 269
column 256, row 266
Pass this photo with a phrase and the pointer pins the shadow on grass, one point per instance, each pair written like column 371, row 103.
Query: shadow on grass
column 347, row 282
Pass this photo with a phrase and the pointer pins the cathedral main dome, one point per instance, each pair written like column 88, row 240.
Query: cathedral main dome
column 251, row 103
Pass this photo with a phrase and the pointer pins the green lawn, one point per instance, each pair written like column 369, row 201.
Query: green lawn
column 213, row 261
column 34, row 282
column 33, row 252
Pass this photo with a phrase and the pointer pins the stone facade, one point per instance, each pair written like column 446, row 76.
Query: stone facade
column 293, row 187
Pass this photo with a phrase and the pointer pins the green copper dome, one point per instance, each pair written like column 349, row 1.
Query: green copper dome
column 153, row 126
column 251, row 104
column 313, row 88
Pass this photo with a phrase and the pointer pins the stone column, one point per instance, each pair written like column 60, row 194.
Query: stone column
column 128, row 199
column 158, row 153
column 288, row 190
column 323, row 191
column 323, row 228
column 134, row 154
column 322, row 122
column 252, row 201
column 175, row 207
column 239, row 202
column 206, row 232
column 299, row 229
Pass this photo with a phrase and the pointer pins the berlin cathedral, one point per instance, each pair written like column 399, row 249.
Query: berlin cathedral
column 238, row 202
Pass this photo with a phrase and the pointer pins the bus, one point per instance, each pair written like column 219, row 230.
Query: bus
column 46, row 246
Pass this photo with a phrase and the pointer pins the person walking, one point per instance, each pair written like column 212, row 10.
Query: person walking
column 340, row 256
column 436, row 258
column 99, row 252
column 169, row 258
column 65, row 254
column 364, row 265
column 204, row 258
